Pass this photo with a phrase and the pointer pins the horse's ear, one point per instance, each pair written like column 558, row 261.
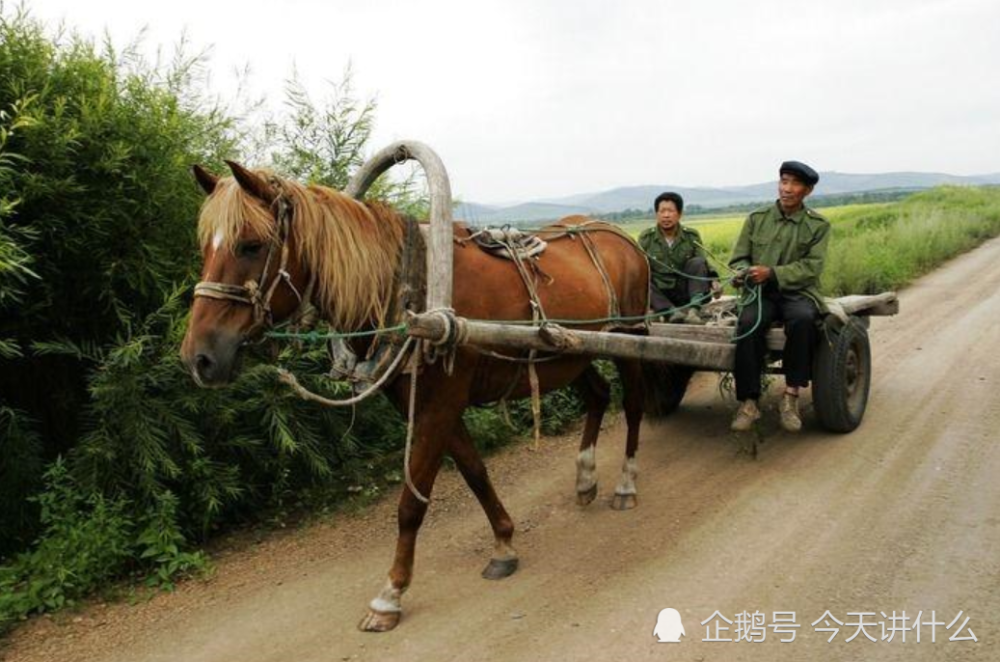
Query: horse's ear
column 206, row 180
column 252, row 183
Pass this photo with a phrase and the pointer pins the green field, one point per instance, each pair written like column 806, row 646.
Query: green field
column 878, row 247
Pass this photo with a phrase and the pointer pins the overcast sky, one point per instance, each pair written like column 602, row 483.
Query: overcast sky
column 542, row 99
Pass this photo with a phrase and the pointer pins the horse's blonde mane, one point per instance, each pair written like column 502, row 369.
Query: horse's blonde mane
column 352, row 248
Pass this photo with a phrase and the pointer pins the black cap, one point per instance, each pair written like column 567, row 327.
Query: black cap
column 801, row 171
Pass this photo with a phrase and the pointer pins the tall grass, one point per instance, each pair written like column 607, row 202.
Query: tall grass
column 887, row 248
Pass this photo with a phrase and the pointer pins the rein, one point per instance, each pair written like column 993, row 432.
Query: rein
column 258, row 293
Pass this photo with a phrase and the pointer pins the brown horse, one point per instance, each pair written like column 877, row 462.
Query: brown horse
column 351, row 251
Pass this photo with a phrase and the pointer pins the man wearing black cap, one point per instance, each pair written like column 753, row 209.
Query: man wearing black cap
column 782, row 248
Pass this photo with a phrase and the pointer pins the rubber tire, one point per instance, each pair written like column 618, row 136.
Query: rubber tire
column 666, row 385
column 842, row 375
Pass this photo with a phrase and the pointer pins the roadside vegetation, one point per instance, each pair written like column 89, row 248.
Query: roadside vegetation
column 111, row 465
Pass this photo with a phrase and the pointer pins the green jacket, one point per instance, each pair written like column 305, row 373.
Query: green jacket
column 686, row 246
column 793, row 246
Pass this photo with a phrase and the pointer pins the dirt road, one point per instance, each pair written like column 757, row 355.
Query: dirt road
column 903, row 514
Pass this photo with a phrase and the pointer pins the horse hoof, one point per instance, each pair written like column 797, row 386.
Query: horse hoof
column 500, row 568
column 584, row 498
column 624, row 502
column 379, row 621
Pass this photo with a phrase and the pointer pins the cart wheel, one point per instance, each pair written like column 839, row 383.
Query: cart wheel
column 842, row 377
column 665, row 385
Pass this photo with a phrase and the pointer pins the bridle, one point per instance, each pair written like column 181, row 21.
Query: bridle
column 258, row 293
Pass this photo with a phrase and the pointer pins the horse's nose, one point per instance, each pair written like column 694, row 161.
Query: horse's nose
column 203, row 365
column 210, row 361
column 205, row 370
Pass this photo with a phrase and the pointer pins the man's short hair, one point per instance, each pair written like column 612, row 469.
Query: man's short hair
column 669, row 196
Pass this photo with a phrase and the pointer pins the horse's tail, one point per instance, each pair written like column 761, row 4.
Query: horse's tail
column 664, row 387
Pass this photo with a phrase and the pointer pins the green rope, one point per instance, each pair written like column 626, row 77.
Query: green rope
column 755, row 295
column 696, row 301
column 316, row 336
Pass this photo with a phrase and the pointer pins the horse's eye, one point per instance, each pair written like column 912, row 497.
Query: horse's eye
column 249, row 248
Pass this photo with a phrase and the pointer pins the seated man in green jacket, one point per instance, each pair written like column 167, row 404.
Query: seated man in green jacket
column 781, row 249
column 675, row 253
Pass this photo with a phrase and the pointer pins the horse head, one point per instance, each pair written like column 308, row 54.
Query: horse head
column 252, row 277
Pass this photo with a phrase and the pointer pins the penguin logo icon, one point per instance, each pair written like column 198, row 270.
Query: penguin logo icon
column 669, row 628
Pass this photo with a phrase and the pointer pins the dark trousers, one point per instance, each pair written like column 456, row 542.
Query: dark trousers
column 799, row 314
column 685, row 289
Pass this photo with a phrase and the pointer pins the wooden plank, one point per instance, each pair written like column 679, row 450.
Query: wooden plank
column 885, row 303
column 556, row 339
column 712, row 334
column 701, row 347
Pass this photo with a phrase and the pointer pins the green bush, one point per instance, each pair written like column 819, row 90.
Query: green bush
column 87, row 540
column 96, row 222
column 21, row 467
column 21, row 446
column 160, row 545
column 97, row 255
column 104, row 144
column 225, row 453
column 84, row 541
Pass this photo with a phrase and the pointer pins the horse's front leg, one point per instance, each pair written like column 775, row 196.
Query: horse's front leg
column 632, row 396
column 429, row 444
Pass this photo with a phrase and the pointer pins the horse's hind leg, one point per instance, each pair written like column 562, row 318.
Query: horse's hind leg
column 596, row 395
column 631, row 376
column 503, row 563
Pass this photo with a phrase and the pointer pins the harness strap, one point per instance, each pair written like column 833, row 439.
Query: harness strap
column 537, row 314
column 223, row 291
column 614, row 310
column 258, row 293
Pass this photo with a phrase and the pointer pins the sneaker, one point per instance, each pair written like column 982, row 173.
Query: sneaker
column 678, row 317
column 745, row 417
column 789, row 408
column 693, row 316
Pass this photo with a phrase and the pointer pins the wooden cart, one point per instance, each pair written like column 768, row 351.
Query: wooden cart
column 841, row 373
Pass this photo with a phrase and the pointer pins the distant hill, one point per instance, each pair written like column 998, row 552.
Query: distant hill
column 641, row 197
